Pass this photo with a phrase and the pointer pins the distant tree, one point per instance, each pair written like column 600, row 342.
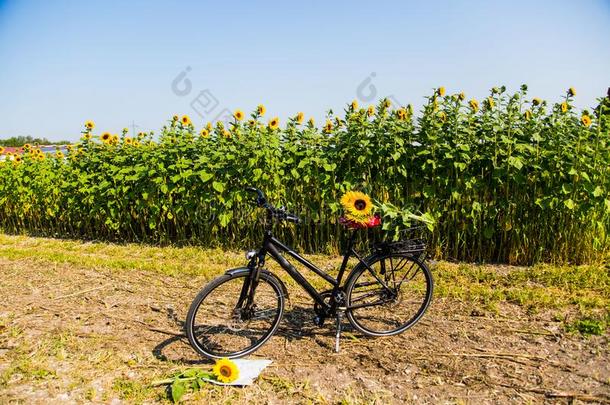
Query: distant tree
column 17, row 141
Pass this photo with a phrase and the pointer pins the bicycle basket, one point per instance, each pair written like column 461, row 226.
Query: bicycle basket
column 411, row 246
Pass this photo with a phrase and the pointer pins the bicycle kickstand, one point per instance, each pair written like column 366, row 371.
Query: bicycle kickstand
column 338, row 336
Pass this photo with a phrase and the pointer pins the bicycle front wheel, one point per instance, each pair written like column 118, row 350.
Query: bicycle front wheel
column 217, row 327
column 391, row 296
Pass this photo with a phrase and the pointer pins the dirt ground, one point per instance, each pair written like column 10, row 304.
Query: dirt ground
column 77, row 334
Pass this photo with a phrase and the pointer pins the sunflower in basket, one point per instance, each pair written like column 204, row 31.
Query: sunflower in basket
column 358, row 208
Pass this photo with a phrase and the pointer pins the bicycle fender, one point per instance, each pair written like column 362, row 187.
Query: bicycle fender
column 245, row 270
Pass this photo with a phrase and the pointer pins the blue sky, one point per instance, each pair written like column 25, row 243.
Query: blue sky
column 62, row 62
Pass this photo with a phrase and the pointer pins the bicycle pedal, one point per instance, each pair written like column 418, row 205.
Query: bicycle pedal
column 318, row 320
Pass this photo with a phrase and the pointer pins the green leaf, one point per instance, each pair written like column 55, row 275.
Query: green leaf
column 569, row 204
column 218, row 186
column 205, row 176
column 178, row 390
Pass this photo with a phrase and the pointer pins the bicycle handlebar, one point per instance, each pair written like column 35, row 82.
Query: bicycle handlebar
column 279, row 213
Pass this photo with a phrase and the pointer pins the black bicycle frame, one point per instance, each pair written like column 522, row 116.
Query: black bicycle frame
column 275, row 248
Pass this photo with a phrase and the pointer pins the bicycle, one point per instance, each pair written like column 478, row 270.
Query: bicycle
column 236, row 313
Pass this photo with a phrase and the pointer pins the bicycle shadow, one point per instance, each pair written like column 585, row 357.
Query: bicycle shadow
column 297, row 324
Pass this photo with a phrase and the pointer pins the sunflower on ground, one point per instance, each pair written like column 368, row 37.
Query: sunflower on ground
column 225, row 371
column 357, row 206
column 586, row 120
column 300, row 117
column 274, row 123
column 239, row 115
column 89, row 125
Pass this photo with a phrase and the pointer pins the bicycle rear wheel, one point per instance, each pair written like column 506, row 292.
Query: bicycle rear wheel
column 378, row 310
column 216, row 327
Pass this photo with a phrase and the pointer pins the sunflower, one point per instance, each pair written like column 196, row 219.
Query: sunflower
column 260, row 110
column 441, row 91
column 204, row 133
column 461, row 96
column 27, row 146
column 209, row 126
column 225, row 370
column 328, row 126
column 186, row 120
column 564, row 107
column 274, row 123
column 586, row 120
column 59, row 155
column 87, row 136
column 226, row 133
column 175, row 118
column 536, row 101
column 371, row 110
column 442, row 116
column 474, row 104
column 128, row 141
column 141, row 135
column 106, row 136
column 357, row 206
column 17, row 159
column 239, row 115
column 89, row 125
column 115, row 139
column 387, row 103
column 300, row 117
column 311, row 122
column 401, row 113
column 490, row 102
column 354, row 105
column 571, row 92
column 528, row 115
column 125, row 130
column 1, row 150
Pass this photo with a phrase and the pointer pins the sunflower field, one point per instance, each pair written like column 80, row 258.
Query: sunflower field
column 507, row 179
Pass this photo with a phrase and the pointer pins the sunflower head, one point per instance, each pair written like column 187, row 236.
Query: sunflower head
column 311, row 122
column 441, row 91
column 186, row 120
column 401, row 113
column 461, row 96
column 564, row 107
column 571, row 92
column 490, row 102
column 209, row 126
column 59, row 154
column 354, row 105
column 89, row 125
column 357, row 206
column 226, row 133
column 536, row 101
column 528, row 115
column 442, row 116
column 106, row 136
column 17, row 159
column 386, row 103
column 260, row 110
column 175, row 118
column 125, row 130
column 586, row 120
column 239, row 115
column 300, row 117
column 1, row 150
column 274, row 123
column 328, row 127
column 225, row 370
column 204, row 133
column 474, row 104
column 370, row 111
column 128, row 141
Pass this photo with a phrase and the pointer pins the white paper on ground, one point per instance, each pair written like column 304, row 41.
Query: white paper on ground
column 248, row 371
